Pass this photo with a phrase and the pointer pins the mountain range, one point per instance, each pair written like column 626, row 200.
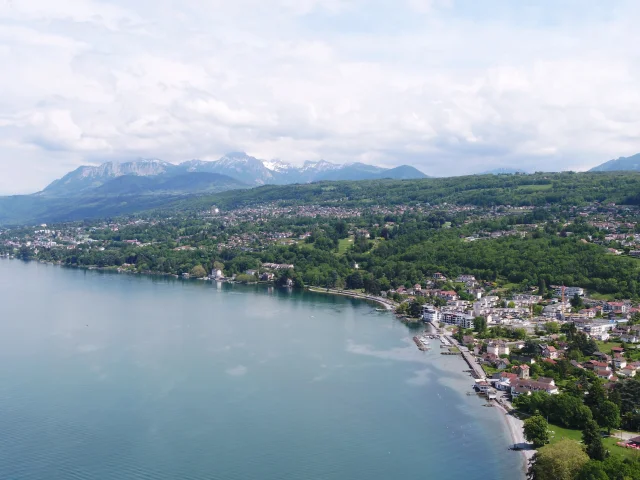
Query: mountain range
column 232, row 171
column 631, row 163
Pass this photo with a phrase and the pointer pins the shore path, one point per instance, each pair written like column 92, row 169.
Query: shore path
column 389, row 305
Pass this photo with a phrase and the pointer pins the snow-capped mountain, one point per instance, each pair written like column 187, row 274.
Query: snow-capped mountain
column 238, row 165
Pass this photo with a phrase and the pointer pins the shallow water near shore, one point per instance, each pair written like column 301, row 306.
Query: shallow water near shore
column 108, row 376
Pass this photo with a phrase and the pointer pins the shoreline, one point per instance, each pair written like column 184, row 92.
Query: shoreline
column 386, row 304
column 516, row 432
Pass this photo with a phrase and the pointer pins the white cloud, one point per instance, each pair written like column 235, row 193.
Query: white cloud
column 457, row 90
column 237, row 371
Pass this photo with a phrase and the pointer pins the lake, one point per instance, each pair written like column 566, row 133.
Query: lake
column 113, row 376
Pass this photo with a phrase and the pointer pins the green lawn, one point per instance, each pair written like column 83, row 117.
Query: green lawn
column 605, row 347
column 344, row 244
column 559, row 433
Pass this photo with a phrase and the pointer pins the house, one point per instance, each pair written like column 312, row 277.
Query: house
column 596, row 365
column 630, row 337
column 217, row 273
column 628, row 371
column 615, row 350
column 498, row 347
column 417, row 287
column 619, row 361
column 439, row 277
column 251, row 272
column 523, row 371
column 489, row 358
column 616, row 307
column 466, row 279
column 604, row 373
column 483, row 386
column 549, row 351
column 534, row 386
column 448, row 295
column 267, row 277
column 501, row 363
column 547, row 380
column 576, row 364
column 468, row 340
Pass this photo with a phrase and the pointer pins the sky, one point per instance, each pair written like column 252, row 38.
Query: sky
column 449, row 86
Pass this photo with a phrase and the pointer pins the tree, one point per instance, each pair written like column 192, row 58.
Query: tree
column 480, row 324
column 218, row 265
column 569, row 329
column 576, row 301
column 542, row 287
column 536, row 430
column 592, row 470
column 511, row 305
column 596, row 396
column 198, row 272
column 592, row 439
column 552, row 327
column 609, row 416
column 560, row 461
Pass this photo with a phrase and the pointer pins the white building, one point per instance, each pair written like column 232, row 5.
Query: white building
column 430, row 314
column 498, row 348
column 569, row 292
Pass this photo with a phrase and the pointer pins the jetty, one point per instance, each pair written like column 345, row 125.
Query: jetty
column 421, row 342
column 476, row 369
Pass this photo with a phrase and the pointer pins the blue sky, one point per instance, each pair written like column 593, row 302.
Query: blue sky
column 449, row 86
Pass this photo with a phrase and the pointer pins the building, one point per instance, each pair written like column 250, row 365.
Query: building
column 448, row 295
column 430, row 314
column 522, row 371
column 498, row 347
column 619, row 308
column 569, row 292
column 456, row 318
column 549, row 351
column 439, row 277
column 521, row 386
column 466, row 278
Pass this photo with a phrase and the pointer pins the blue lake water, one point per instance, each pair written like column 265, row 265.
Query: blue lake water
column 107, row 376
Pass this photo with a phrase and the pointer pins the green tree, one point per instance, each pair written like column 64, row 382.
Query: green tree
column 592, row 470
column 576, row 302
column 536, row 430
column 198, row 272
column 542, row 287
column 592, row 439
column 560, row 461
column 480, row 324
column 552, row 327
column 609, row 416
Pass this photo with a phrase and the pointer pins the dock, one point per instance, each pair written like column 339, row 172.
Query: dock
column 476, row 369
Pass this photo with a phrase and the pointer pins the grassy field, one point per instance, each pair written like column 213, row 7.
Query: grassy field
column 605, row 347
column 344, row 244
column 559, row 433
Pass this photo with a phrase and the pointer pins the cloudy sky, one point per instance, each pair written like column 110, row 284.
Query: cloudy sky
column 449, row 86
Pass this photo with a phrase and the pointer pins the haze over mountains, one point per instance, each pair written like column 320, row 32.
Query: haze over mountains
column 234, row 170
column 631, row 163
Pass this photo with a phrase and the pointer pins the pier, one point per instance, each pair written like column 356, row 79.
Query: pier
column 476, row 369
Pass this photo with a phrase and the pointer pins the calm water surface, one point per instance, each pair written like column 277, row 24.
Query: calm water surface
column 106, row 376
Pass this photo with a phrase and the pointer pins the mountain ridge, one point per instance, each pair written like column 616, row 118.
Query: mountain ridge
column 245, row 169
column 631, row 163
